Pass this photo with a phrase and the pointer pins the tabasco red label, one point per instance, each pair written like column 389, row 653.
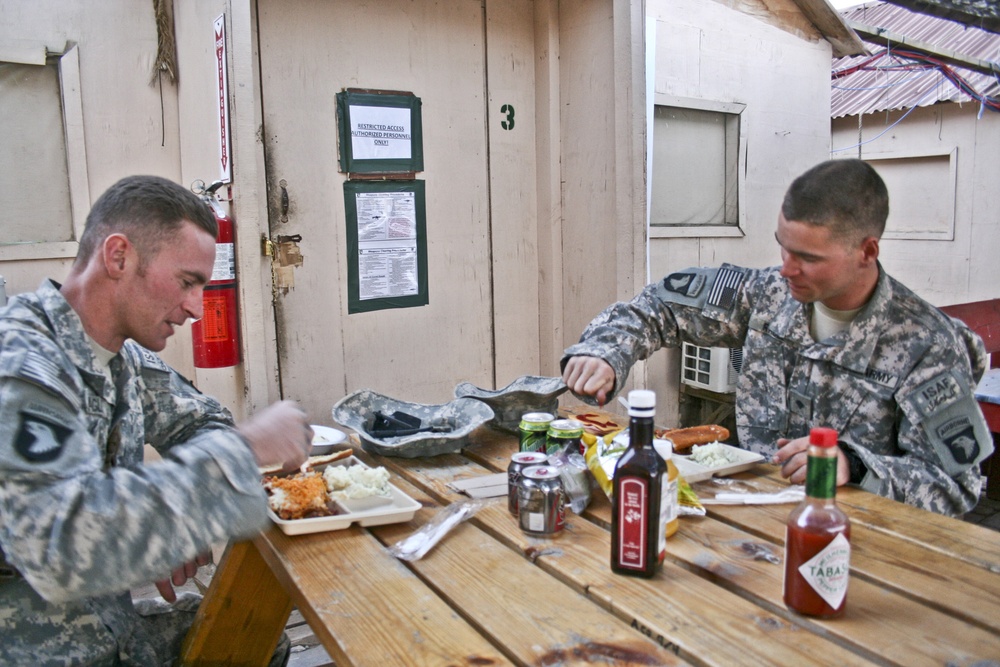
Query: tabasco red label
column 632, row 519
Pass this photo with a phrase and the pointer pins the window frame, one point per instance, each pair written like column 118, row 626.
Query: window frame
column 737, row 110
column 950, row 191
column 71, row 99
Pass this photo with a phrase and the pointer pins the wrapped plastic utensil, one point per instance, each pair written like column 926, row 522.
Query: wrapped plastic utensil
column 419, row 543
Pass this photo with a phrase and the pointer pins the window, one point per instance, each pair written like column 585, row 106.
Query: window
column 46, row 198
column 695, row 167
column 921, row 194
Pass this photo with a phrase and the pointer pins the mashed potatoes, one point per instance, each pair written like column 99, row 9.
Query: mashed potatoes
column 356, row 481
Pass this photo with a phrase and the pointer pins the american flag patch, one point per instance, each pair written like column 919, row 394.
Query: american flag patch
column 723, row 294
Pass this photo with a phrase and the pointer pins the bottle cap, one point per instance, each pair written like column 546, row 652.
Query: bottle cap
column 642, row 399
column 823, row 437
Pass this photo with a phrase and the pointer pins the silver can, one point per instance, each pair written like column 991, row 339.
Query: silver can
column 518, row 462
column 541, row 509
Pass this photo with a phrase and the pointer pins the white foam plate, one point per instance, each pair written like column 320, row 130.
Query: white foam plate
column 695, row 472
column 398, row 507
column 325, row 439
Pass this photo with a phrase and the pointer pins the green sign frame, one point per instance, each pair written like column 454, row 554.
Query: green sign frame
column 386, row 245
column 380, row 132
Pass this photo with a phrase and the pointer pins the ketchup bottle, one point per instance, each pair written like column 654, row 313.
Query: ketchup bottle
column 640, row 488
column 817, row 537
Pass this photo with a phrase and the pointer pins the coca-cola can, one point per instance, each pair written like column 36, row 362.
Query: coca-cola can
column 518, row 462
column 540, row 504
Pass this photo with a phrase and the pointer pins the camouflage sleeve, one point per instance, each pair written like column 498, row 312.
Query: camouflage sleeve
column 174, row 411
column 697, row 305
column 74, row 529
column 942, row 437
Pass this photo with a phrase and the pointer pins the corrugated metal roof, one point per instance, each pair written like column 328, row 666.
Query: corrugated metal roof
column 893, row 82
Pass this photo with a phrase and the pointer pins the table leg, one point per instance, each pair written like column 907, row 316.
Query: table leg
column 243, row 614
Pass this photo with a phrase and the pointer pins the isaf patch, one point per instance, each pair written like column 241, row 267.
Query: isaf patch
column 936, row 394
column 150, row 360
column 39, row 438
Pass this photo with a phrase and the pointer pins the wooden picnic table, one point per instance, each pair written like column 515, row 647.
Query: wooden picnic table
column 924, row 590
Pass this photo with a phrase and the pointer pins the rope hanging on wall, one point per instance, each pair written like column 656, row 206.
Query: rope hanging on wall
column 166, row 45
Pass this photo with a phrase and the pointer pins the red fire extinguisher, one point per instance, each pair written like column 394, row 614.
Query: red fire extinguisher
column 216, row 335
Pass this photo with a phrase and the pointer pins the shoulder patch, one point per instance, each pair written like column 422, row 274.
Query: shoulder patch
column 936, row 394
column 151, row 360
column 43, row 372
column 725, row 288
column 959, row 436
column 684, row 283
column 40, row 436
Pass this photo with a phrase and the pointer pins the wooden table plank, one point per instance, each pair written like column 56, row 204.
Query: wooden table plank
column 242, row 576
column 888, row 625
column 364, row 604
column 692, row 615
column 962, row 588
column 897, row 618
column 517, row 605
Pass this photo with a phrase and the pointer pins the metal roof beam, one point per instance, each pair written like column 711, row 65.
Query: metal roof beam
column 883, row 36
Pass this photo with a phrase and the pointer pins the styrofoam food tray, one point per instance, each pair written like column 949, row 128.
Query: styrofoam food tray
column 372, row 511
column 695, row 472
column 325, row 439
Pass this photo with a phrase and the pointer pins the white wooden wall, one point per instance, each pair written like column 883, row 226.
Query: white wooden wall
column 962, row 268
column 129, row 126
column 780, row 71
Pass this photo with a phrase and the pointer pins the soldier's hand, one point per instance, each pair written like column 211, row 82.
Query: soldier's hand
column 792, row 456
column 180, row 576
column 589, row 376
column 279, row 434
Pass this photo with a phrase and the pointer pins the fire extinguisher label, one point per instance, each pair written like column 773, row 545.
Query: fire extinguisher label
column 225, row 262
column 214, row 322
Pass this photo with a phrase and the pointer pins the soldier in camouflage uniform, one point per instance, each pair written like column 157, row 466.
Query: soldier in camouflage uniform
column 82, row 518
column 829, row 339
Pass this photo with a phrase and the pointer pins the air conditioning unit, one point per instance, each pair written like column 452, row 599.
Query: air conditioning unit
column 711, row 368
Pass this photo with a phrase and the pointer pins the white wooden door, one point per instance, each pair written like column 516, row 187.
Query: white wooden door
column 310, row 51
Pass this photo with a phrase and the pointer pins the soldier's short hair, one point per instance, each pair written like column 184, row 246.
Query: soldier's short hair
column 149, row 210
column 847, row 196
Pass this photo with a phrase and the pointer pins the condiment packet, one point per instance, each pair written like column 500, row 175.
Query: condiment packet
column 419, row 543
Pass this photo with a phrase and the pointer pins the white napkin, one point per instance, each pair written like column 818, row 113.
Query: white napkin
column 793, row 494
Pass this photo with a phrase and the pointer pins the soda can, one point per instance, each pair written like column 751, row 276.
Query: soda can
column 534, row 427
column 541, row 510
column 564, row 433
column 518, row 462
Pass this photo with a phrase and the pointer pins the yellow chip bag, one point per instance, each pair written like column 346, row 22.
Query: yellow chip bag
column 602, row 456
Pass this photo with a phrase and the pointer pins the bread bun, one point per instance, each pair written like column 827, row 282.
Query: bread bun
column 686, row 438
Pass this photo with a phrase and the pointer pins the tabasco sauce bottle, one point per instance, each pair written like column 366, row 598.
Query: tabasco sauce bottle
column 640, row 488
column 817, row 537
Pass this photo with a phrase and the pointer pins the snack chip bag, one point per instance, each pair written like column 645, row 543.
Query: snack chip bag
column 602, row 456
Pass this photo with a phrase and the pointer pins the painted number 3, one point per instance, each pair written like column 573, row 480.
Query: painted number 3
column 508, row 122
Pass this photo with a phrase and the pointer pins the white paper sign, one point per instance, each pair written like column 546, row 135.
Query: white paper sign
column 387, row 244
column 381, row 133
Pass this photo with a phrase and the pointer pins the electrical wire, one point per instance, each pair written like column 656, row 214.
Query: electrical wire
column 905, row 60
